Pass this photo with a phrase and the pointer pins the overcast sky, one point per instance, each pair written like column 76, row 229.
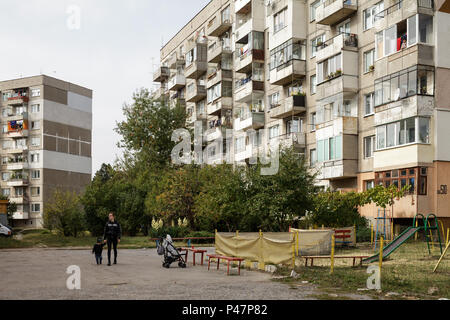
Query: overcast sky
column 111, row 53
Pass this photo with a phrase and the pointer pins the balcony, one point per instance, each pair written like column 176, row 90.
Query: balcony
column 196, row 69
column 218, row 75
column 17, row 116
column 20, row 215
column 217, row 49
column 338, row 84
column 246, row 57
column 13, row 166
column 17, row 150
column 296, row 140
column 195, row 91
column 252, row 120
column 161, row 74
column 337, row 169
column 220, row 24
column 288, row 72
column 247, row 153
column 215, row 133
column 174, row 61
column 18, row 98
column 291, row 106
column 161, row 93
column 335, row 45
column 331, row 12
column 18, row 134
column 345, row 125
column 247, row 88
column 242, row 6
column 18, row 181
column 216, row 107
column 177, row 82
column 18, row 199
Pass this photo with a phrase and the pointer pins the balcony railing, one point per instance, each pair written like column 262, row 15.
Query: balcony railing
column 349, row 40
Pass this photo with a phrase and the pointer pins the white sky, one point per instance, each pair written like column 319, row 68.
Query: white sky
column 111, row 53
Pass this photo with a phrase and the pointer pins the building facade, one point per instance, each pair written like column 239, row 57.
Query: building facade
column 357, row 87
column 46, row 143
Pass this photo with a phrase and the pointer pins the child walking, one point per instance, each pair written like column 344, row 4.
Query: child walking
column 98, row 249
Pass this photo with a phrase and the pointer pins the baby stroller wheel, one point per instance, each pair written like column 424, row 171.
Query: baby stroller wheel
column 166, row 265
column 182, row 264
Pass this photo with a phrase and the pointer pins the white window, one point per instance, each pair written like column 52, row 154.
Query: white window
column 240, row 144
column 313, row 9
column 274, row 100
column 5, row 176
column 313, row 157
column 6, row 192
column 35, row 108
column 368, row 104
column 19, row 192
column 6, row 145
column 35, row 191
column 274, row 131
column 402, row 132
column 35, row 141
column 5, row 128
column 368, row 60
column 330, row 68
column 369, row 15
column 35, row 125
column 5, row 160
column 279, row 20
column 35, row 207
column 313, row 84
column 36, row 92
column 318, row 41
column 35, row 174
column 369, row 146
column 35, row 157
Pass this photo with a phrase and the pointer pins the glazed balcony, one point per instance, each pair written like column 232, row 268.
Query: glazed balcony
column 217, row 49
column 177, row 82
column 195, row 91
column 291, row 106
column 216, row 107
column 331, row 12
column 220, row 24
column 20, row 215
column 288, row 72
column 161, row 74
column 335, row 45
column 251, row 120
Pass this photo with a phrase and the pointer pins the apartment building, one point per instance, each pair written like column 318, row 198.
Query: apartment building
column 358, row 87
column 46, row 142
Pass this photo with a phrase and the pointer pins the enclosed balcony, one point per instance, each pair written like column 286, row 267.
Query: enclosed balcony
column 331, row 12
column 287, row 62
column 218, row 49
column 161, row 74
column 196, row 61
column 195, row 91
column 291, row 106
column 20, row 215
column 17, row 128
column 335, row 45
column 177, row 82
column 216, row 75
column 248, row 51
column 221, row 23
column 246, row 89
column 18, row 96
column 249, row 120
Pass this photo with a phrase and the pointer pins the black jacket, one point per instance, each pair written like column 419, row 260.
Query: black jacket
column 112, row 230
column 98, row 248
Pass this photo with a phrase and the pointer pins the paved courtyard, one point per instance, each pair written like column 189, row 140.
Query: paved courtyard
column 41, row 274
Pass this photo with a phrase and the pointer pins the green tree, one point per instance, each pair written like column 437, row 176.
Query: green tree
column 64, row 213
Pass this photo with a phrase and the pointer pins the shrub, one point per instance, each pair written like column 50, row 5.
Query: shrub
column 175, row 232
column 200, row 234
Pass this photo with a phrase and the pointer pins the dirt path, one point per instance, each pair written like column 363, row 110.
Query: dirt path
column 40, row 274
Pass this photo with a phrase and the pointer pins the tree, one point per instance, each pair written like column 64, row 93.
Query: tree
column 64, row 213
column 147, row 130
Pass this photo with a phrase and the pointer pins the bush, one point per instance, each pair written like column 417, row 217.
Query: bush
column 362, row 234
column 201, row 234
column 175, row 232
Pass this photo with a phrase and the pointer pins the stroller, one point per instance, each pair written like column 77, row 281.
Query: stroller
column 165, row 247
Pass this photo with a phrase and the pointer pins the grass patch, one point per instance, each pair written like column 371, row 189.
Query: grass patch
column 47, row 239
column 407, row 272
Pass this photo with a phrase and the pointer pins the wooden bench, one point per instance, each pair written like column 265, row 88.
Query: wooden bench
column 335, row 257
column 228, row 259
column 194, row 252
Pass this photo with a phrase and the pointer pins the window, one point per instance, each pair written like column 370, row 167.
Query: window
column 5, row 128
column 5, row 176
column 274, row 100
column 368, row 104
column 313, row 84
column 35, row 141
column 35, row 174
column 35, row 191
column 402, row 178
column 6, row 145
column 35, row 108
column 5, row 160
column 313, row 121
column 403, row 132
column 35, row 207
column 369, row 184
column 279, row 20
column 313, row 8
column 370, row 13
column 34, row 157
column 274, row 131
column 405, row 83
column 368, row 60
column 312, row 157
column 318, row 41
column 329, row 149
column 214, row 92
column 36, row 92
column 19, row 192
column 6, row 192
column 35, row 125
column 329, row 68
column 369, row 146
